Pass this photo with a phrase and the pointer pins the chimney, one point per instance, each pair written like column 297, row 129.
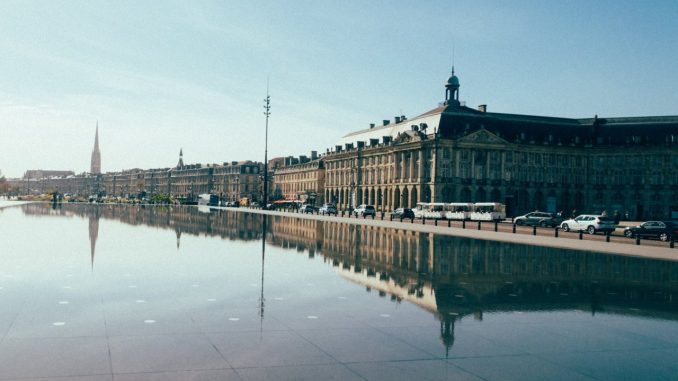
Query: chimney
column 397, row 119
column 371, row 125
column 314, row 155
column 402, row 118
column 482, row 108
column 386, row 139
column 349, row 146
column 361, row 144
column 374, row 142
column 386, row 122
column 337, row 148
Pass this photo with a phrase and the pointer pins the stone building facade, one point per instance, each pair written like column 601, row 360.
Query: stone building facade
column 302, row 179
column 458, row 154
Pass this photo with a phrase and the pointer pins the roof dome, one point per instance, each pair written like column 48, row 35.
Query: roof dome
column 453, row 80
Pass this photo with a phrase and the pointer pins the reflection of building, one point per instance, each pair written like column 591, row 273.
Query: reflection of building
column 455, row 153
column 302, row 179
column 450, row 277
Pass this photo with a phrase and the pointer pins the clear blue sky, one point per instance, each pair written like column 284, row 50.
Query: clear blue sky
column 159, row 76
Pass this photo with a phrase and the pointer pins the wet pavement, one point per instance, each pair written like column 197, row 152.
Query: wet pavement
column 112, row 292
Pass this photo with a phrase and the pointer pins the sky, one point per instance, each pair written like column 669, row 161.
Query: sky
column 160, row 76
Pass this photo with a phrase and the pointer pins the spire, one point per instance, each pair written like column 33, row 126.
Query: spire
column 96, row 134
column 180, row 164
column 95, row 165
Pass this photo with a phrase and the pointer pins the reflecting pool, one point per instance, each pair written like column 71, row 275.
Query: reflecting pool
column 113, row 292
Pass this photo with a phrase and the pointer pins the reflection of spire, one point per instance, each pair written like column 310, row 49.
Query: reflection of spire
column 93, row 232
column 263, row 257
column 178, row 238
column 447, row 332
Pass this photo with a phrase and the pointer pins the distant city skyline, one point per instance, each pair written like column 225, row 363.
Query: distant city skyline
column 193, row 75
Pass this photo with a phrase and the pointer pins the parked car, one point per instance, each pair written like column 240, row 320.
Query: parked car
column 591, row 223
column 268, row 207
column 365, row 210
column 403, row 213
column 232, row 204
column 328, row 209
column 539, row 218
column 663, row 230
column 308, row 208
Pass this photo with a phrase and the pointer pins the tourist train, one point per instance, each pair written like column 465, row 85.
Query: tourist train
column 480, row 211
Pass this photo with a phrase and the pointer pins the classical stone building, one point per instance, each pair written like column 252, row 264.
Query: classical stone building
column 302, row 179
column 454, row 153
column 238, row 179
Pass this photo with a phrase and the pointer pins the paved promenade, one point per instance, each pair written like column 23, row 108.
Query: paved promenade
column 625, row 246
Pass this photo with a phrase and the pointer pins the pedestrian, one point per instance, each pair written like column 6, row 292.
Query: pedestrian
column 574, row 213
column 604, row 213
column 616, row 217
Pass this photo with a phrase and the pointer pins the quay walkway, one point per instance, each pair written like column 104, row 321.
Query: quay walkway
column 618, row 245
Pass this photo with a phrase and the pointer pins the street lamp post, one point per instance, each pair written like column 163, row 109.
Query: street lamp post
column 267, row 112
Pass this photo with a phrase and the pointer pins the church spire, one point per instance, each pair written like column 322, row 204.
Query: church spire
column 180, row 164
column 95, row 167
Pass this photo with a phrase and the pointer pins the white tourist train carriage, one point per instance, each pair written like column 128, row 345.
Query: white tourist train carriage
column 458, row 210
column 488, row 211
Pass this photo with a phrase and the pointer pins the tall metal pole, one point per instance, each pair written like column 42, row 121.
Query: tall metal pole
column 267, row 112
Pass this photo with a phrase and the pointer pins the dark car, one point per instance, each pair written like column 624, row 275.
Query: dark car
column 403, row 213
column 538, row 219
column 364, row 211
column 328, row 209
column 307, row 208
column 663, row 230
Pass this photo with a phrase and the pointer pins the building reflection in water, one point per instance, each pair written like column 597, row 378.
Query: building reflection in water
column 450, row 277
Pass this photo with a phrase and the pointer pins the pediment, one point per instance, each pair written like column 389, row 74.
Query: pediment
column 483, row 136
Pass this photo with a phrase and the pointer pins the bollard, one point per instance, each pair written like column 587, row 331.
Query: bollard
column 671, row 245
column 412, row 220
column 423, row 220
column 373, row 217
column 435, row 222
column 342, row 213
column 556, row 231
column 478, row 225
column 607, row 237
column 401, row 220
column 514, row 228
column 463, row 224
column 581, row 234
column 496, row 226
column 637, row 239
column 382, row 216
column 449, row 223
column 534, row 230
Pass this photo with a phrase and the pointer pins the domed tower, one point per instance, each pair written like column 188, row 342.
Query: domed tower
column 452, row 90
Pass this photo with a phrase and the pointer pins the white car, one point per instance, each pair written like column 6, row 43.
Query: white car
column 590, row 223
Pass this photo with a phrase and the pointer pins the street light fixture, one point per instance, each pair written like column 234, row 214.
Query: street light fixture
column 267, row 112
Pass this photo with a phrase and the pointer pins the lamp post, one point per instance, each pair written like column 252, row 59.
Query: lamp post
column 267, row 112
